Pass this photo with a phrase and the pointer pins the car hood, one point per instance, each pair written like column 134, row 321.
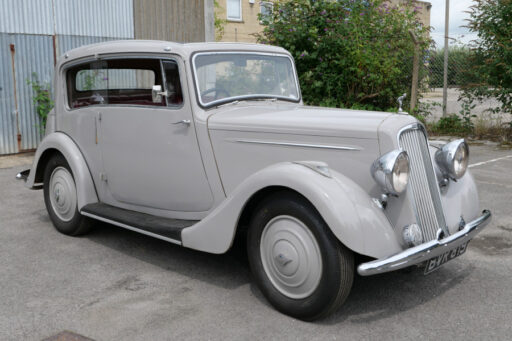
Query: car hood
column 297, row 119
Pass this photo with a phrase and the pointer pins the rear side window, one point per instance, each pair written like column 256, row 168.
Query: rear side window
column 119, row 81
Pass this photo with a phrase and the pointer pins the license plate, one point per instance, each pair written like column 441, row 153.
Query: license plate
column 435, row 263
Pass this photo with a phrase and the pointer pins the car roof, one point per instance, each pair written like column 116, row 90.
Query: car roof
column 162, row 47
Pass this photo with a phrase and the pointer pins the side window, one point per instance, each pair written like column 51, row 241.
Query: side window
column 84, row 84
column 118, row 81
column 172, row 83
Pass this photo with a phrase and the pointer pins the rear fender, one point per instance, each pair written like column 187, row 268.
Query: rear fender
column 350, row 213
column 62, row 143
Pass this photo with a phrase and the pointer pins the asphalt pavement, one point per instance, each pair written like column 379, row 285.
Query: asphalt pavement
column 114, row 284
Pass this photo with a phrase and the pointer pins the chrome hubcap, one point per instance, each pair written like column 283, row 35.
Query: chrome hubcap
column 291, row 257
column 63, row 194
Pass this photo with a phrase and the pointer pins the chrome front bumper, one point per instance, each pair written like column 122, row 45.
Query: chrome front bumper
column 427, row 250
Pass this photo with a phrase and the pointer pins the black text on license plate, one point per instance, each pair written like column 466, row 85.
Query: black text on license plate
column 434, row 263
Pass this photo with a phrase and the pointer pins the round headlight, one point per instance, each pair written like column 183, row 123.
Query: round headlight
column 391, row 171
column 401, row 173
column 453, row 159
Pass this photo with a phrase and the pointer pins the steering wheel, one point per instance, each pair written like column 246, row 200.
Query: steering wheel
column 217, row 90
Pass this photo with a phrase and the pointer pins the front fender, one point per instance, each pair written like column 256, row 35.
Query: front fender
column 350, row 213
column 86, row 192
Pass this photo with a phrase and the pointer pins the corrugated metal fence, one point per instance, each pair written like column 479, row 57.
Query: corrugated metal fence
column 32, row 34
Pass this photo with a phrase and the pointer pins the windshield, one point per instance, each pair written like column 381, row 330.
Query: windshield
column 221, row 77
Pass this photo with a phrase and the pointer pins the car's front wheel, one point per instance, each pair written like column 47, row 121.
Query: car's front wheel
column 60, row 198
column 297, row 262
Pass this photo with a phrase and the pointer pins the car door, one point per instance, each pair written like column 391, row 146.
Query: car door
column 79, row 110
column 150, row 152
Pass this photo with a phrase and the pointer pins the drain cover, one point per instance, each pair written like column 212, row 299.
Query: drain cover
column 67, row 336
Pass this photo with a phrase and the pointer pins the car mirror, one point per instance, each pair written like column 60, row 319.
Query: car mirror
column 157, row 93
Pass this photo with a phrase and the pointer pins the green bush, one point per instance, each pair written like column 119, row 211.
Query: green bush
column 491, row 20
column 449, row 125
column 348, row 53
column 456, row 124
column 42, row 99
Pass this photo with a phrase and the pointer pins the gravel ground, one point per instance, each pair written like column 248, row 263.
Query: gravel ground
column 115, row 284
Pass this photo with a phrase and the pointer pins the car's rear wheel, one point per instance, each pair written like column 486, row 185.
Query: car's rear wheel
column 297, row 262
column 60, row 197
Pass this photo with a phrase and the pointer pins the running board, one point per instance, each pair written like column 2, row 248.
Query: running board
column 162, row 228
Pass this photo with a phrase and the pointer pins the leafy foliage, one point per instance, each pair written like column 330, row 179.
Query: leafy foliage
column 491, row 20
column 42, row 99
column 218, row 22
column 456, row 124
column 348, row 53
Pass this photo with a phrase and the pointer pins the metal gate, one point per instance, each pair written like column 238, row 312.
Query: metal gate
column 22, row 54
column 8, row 124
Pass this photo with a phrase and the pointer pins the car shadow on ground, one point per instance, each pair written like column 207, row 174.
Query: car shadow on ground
column 229, row 270
column 382, row 296
column 371, row 299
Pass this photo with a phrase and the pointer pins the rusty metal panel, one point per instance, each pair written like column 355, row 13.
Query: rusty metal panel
column 96, row 18
column 8, row 133
column 33, row 53
column 171, row 20
column 26, row 16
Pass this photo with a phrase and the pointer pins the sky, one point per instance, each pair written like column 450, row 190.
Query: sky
column 457, row 16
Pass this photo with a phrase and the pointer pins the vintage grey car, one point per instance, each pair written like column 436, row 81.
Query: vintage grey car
column 197, row 144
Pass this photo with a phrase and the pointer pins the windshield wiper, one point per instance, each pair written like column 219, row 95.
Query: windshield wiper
column 259, row 99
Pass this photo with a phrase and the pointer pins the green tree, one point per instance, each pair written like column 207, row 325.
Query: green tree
column 348, row 53
column 42, row 99
column 492, row 20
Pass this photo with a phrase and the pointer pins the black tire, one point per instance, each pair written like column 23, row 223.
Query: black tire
column 77, row 224
column 337, row 261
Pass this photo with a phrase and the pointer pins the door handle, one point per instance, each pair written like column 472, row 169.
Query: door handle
column 186, row 122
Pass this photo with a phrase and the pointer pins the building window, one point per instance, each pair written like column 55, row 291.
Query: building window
column 266, row 9
column 234, row 10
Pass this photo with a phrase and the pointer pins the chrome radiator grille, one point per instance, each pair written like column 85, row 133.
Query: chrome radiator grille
column 422, row 183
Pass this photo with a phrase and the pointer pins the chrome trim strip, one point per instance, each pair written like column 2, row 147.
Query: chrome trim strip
column 294, row 144
column 427, row 250
column 128, row 227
